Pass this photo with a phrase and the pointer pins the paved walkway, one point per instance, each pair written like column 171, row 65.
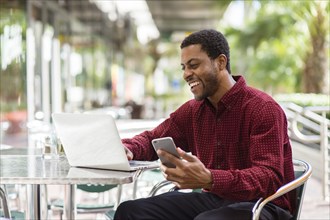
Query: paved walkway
column 314, row 206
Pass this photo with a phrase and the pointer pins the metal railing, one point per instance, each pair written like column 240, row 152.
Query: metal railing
column 310, row 126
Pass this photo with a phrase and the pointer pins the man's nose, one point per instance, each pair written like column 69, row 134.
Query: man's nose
column 186, row 74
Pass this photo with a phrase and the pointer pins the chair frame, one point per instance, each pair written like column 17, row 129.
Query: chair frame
column 93, row 210
column 159, row 186
column 299, row 181
column 6, row 212
column 4, row 204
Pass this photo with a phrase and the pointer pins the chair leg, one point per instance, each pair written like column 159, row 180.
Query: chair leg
column 44, row 201
column 119, row 194
column 135, row 188
column 4, row 203
column 57, row 212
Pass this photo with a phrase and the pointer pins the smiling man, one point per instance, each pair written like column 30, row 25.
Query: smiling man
column 237, row 136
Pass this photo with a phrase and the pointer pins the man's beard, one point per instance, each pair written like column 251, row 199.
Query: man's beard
column 210, row 85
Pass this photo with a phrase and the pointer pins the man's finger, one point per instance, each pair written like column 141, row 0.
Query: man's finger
column 186, row 156
column 129, row 153
column 168, row 156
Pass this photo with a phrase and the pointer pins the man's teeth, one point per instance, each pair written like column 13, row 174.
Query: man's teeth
column 193, row 84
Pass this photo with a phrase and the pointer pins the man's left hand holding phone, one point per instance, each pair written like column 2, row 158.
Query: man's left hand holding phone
column 186, row 171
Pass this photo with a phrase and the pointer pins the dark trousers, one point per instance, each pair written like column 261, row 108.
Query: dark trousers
column 197, row 206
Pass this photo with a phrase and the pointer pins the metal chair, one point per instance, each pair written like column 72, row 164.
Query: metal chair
column 4, row 204
column 5, row 212
column 83, row 208
column 302, row 170
column 149, row 175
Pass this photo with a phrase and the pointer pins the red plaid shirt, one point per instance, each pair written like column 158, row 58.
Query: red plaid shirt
column 244, row 143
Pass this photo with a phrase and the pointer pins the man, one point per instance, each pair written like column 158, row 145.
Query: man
column 237, row 136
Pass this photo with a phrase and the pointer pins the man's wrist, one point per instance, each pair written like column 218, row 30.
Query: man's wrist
column 209, row 184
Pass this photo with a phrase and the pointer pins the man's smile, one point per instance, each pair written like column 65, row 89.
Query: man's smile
column 193, row 84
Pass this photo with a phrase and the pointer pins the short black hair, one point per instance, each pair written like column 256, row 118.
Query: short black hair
column 212, row 42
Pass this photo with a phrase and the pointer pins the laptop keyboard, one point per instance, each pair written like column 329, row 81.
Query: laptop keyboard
column 140, row 163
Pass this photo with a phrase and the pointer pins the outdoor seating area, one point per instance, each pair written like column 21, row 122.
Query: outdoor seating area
column 101, row 200
column 106, row 101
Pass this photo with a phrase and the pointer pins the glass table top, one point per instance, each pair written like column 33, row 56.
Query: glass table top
column 34, row 169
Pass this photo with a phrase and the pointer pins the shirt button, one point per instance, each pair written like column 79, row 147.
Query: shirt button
column 218, row 167
column 218, row 143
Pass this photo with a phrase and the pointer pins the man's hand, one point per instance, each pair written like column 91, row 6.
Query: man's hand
column 129, row 153
column 190, row 172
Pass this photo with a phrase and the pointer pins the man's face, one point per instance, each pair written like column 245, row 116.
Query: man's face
column 199, row 71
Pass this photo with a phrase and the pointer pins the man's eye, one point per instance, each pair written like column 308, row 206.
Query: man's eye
column 193, row 66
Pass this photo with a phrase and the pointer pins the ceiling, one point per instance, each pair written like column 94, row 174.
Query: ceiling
column 169, row 16
column 172, row 16
column 89, row 15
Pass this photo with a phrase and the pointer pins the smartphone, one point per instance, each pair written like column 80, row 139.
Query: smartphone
column 166, row 144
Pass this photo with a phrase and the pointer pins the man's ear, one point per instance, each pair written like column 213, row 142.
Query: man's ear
column 221, row 61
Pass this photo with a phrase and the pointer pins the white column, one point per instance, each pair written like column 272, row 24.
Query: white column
column 56, row 82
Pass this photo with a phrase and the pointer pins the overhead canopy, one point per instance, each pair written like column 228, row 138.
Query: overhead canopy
column 186, row 15
column 169, row 16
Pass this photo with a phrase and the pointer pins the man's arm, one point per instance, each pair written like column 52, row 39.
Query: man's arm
column 266, row 156
column 140, row 145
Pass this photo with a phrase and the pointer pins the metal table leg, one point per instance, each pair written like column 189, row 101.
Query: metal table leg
column 33, row 201
column 70, row 202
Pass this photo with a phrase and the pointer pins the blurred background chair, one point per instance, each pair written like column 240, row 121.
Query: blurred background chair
column 100, row 207
column 5, row 212
column 141, row 187
column 4, row 204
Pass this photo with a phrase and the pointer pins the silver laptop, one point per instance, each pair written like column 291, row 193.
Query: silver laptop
column 93, row 141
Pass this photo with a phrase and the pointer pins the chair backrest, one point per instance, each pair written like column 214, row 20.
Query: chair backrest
column 4, row 203
column 100, row 188
column 300, row 168
column 303, row 171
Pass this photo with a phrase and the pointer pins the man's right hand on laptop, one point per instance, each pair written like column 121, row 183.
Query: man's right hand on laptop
column 129, row 154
